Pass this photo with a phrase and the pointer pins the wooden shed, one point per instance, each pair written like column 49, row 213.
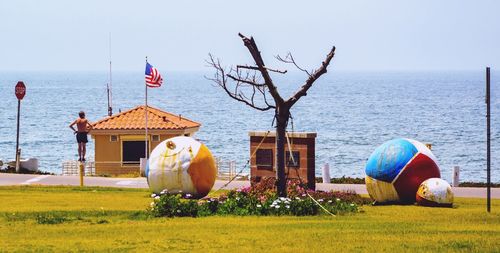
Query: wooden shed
column 120, row 139
column 302, row 166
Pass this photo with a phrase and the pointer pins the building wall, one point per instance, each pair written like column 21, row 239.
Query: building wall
column 305, row 147
column 108, row 154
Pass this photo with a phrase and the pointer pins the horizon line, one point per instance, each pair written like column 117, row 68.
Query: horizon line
column 209, row 70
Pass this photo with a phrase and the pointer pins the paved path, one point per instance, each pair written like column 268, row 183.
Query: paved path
column 25, row 179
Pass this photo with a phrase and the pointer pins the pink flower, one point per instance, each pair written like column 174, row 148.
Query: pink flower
column 246, row 189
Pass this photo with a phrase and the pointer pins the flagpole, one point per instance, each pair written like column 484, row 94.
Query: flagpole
column 146, row 117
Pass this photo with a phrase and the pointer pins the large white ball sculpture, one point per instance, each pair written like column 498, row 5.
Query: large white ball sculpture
column 181, row 164
column 435, row 192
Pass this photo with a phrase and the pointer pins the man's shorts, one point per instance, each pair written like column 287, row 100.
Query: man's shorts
column 81, row 137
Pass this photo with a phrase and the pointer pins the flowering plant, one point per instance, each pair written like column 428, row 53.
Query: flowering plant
column 259, row 199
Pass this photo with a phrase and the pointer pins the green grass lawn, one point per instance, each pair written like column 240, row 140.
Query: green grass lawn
column 113, row 220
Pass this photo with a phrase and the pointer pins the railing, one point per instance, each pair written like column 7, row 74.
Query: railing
column 70, row 168
column 226, row 169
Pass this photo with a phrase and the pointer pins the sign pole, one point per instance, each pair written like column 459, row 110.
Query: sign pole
column 488, row 143
column 20, row 91
column 17, row 136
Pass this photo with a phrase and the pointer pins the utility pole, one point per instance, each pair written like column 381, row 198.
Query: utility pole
column 488, row 143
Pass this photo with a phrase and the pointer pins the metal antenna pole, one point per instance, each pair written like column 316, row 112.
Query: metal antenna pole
column 110, row 96
column 488, row 143
column 107, row 91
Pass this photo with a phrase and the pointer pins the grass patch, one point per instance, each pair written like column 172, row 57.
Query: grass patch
column 111, row 219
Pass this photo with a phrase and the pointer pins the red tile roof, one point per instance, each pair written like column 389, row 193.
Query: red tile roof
column 133, row 119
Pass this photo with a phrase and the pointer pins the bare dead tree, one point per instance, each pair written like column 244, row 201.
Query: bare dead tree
column 251, row 86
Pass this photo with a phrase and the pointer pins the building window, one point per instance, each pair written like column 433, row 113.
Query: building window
column 264, row 159
column 132, row 152
column 155, row 138
column 113, row 138
column 295, row 162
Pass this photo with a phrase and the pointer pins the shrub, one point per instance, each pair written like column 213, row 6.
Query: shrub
column 343, row 180
column 50, row 218
column 102, row 221
column 260, row 199
column 15, row 217
column 170, row 206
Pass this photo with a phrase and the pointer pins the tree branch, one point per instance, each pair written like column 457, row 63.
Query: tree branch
column 312, row 78
column 257, row 68
column 254, row 51
column 244, row 80
column 220, row 78
column 289, row 59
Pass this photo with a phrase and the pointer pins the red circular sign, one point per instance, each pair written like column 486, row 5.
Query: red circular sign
column 20, row 90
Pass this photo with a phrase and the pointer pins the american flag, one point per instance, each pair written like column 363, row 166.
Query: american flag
column 153, row 77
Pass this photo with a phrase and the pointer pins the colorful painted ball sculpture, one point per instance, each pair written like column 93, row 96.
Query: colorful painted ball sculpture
column 181, row 164
column 396, row 169
column 435, row 192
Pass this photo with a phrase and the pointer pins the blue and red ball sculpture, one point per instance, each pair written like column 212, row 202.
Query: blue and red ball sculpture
column 396, row 169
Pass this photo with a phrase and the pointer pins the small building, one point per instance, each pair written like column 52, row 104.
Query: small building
column 302, row 166
column 120, row 139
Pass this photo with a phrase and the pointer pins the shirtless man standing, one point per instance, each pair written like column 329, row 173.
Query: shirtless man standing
column 83, row 126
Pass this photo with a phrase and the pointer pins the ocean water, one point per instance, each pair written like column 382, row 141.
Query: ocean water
column 352, row 113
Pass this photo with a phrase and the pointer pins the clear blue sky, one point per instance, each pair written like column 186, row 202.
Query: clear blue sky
column 178, row 35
